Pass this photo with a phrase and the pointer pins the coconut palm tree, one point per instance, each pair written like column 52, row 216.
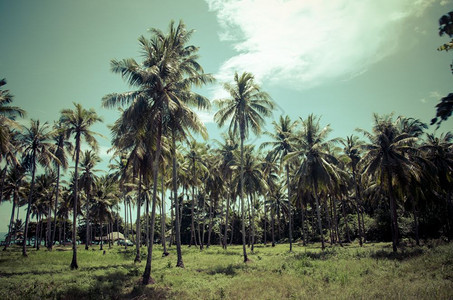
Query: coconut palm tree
column 226, row 151
column 282, row 143
column 246, row 108
column 37, row 149
column 163, row 83
column 14, row 190
column 88, row 161
column 387, row 159
column 78, row 122
column 317, row 170
column 62, row 150
column 352, row 146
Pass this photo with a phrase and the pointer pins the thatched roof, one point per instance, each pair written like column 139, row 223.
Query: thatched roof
column 114, row 236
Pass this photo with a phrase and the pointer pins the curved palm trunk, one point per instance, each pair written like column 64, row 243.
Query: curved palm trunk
column 147, row 274
column 126, row 235
column 137, row 221
column 57, row 192
column 179, row 262
column 289, row 211
column 318, row 214
column 11, row 221
column 30, row 196
column 244, row 250
column 74, row 217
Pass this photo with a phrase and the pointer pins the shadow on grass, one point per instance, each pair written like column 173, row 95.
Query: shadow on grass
column 321, row 255
column 230, row 270
column 404, row 254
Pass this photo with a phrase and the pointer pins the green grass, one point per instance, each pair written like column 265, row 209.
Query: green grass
column 273, row 273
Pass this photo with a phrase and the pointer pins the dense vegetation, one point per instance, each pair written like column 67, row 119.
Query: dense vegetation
column 299, row 186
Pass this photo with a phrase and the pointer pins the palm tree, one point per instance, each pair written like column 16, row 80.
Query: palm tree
column 14, row 189
column 36, row 149
column 246, row 109
column 88, row 161
column 351, row 149
column 317, row 170
column 438, row 150
column 163, row 83
column 283, row 143
column 386, row 158
column 63, row 148
column 78, row 122
column 8, row 126
column 226, row 151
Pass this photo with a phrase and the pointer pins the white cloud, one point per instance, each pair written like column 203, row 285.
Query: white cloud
column 445, row 2
column 205, row 116
column 301, row 44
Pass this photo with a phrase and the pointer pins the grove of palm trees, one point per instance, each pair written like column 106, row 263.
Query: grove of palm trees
column 278, row 204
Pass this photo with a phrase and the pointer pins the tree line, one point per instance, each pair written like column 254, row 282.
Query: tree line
column 300, row 185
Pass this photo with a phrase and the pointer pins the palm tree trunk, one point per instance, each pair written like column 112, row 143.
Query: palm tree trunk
column 318, row 214
column 265, row 223
column 162, row 216
column 358, row 200
column 11, row 221
column 252, row 221
column 2, row 184
column 345, row 218
column 131, row 229
column 49, row 226
column 232, row 224
column 415, row 213
column 289, row 210
column 225, row 236
column 244, row 250
column 137, row 221
column 147, row 274
column 102, row 238
column 30, row 197
column 179, row 262
column 335, row 216
column 193, row 239
column 302, row 210
column 57, row 192
column 211, row 220
column 87, row 218
column 393, row 212
column 74, row 218
column 273, row 228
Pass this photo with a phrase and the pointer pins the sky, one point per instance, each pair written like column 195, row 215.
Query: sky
column 340, row 59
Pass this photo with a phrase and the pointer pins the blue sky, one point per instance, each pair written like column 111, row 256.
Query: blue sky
column 342, row 59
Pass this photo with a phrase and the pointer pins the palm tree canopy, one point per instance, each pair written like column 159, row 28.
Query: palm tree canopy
column 246, row 108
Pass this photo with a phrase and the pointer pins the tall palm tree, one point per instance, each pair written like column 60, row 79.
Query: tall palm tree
column 386, row 158
column 317, row 171
column 162, row 83
column 78, row 122
column 14, row 189
column 226, row 151
column 88, row 162
column 37, row 149
column 282, row 143
column 62, row 150
column 246, row 108
column 8, row 128
column 351, row 150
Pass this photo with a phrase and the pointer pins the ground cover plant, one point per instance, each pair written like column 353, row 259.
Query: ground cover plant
column 371, row 271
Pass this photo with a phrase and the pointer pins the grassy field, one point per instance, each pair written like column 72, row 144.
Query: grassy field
column 273, row 273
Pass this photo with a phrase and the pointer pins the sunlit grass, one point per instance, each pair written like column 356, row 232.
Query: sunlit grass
column 273, row 273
